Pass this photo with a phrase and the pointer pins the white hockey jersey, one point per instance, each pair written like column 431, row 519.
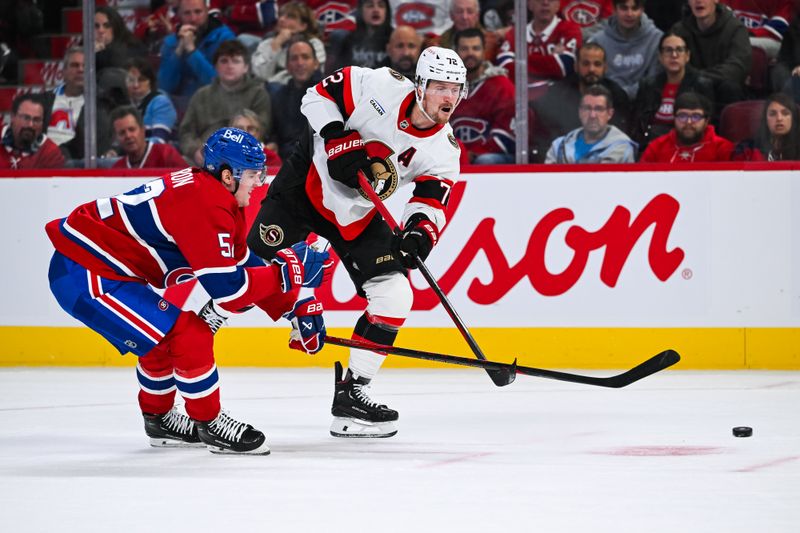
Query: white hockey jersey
column 376, row 103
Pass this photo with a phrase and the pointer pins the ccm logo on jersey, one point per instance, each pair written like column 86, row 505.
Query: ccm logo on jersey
column 238, row 137
column 346, row 147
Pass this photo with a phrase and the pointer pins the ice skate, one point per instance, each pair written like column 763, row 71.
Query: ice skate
column 171, row 430
column 228, row 436
column 355, row 415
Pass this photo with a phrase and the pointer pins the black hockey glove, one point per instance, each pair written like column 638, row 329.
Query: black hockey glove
column 418, row 238
column 346, row 156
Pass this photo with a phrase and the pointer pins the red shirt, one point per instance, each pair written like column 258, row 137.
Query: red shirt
column 46, row 154
column 666, row 149
column 156, row 155
column 666, row 111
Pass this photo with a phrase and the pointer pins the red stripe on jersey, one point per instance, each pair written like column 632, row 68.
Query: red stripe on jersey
column 404, row 119
column 320, row 88
column 436, row 204
column 314, row 193
column 95, row 287
column 134, row 320
column 349, row 105
column 387, row 320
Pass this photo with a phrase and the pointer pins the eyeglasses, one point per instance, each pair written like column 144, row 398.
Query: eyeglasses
column 27, row 118
column 590, row 108
column 690, row 117
column 670, row 51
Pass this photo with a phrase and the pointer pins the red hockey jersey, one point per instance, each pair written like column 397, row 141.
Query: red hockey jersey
column 586, row 13
column 551, row 53
column 156, row 155
column 484, row 120
column 169, row 230
column 763, row 18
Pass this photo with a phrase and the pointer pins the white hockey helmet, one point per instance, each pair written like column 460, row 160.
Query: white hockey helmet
column 440, row 64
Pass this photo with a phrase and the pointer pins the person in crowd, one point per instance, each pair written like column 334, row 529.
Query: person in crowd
column 556, row 111
column 289, row 124
column 630, row 40
column 269, row 59
column 403, row 50
column 596, row 141
column 247, row 120
column 589, row 15
column 187, row 54
column 785, row 74
column 111, row 253
column 366, row 46
column 114, row 44
column 136, row 150
column 719, row 46
column 653, row 109
column 765, row 20
column 20, row 22
column 430, row 18
column 693, row 139
column 156, row 108
column 552, row 43
column 778, row 136
column 24, row 144
column 212, row 106
column 65, row 104
column 484, row 120
column 152, row 29
column 467, row 14
column 67, row 98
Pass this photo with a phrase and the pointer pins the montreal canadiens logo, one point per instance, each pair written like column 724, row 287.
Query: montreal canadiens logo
column 178, row 275
column 163, row 304
column 272, row 235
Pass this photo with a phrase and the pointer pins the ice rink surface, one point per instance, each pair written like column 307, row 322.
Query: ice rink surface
column 538, row 455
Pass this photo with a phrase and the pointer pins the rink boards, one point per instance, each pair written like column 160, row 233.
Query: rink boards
column 598, row 269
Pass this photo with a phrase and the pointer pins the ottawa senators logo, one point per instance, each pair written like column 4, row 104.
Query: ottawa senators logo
column 453, row 141
column 163, row 304
column 396, row 75
column 272, row 235
column 384, row 173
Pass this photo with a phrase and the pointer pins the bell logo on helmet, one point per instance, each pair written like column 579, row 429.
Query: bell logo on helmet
column 229, row 134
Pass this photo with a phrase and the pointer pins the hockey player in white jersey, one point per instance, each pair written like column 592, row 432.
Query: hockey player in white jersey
column 396, row 131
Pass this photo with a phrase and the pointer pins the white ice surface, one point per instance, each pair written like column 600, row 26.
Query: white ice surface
column 537, row 455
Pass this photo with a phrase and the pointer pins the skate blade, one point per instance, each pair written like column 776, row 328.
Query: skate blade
column 353, row 428
column 261, row 450
column 173, row 443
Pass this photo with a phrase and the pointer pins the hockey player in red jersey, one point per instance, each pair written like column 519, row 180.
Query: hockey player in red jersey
column 552, row 43
column 396, row 131
column 189, row 223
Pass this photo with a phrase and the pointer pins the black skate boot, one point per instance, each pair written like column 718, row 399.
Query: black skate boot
column 226, row 435
column 355, row 414
column 171, row 430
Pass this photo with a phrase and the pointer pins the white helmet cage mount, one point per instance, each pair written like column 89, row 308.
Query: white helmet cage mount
column 440, row 64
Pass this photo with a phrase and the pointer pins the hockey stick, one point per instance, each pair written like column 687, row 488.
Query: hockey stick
column 500, row 376
column 655, row 364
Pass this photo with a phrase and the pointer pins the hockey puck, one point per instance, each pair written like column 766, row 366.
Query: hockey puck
column 742, row 431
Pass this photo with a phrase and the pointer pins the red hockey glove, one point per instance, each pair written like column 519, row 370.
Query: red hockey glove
column 418, row 238
column 308, row 327
column 346, row 156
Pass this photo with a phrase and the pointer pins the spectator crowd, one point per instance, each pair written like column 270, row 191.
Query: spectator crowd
column 609, row 81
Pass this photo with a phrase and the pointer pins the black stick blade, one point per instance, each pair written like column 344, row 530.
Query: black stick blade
column 504, row 376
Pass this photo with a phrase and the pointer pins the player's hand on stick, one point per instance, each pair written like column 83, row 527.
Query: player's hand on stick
column 346, row 156
column 416, row 240
column 308, row 326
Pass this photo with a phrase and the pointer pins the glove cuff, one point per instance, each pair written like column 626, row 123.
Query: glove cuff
column 291, row 269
